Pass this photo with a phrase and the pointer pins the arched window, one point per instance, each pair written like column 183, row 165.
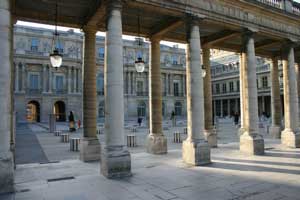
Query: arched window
column 178, row 108
column 141, row 109
column 101, row 109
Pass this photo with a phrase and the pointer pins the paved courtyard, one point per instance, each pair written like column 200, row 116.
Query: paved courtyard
column 232, row 175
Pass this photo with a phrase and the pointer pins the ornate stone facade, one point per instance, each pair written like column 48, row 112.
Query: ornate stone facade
column 43, row 89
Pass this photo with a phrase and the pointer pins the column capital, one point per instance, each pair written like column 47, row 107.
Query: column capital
column 90, row 30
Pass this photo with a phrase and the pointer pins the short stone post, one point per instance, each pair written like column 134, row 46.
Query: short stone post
column 52, row 123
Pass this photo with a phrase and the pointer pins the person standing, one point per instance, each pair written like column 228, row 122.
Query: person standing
column 71, row 122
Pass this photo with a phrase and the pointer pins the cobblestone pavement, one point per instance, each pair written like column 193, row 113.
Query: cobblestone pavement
column 232, row 175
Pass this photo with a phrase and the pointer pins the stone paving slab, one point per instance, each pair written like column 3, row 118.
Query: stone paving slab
column 231, row 176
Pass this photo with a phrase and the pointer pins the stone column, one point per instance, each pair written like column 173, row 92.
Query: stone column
column 50, row 80
column 129, row 83
column 89, row 145
column 298, row 88
column 24, row 77
column 44, row 78
column 171, row 84
column 275, row 128
column 69, row 80
column 156, row 141
column 6, row 156
column 242, row 92
column 195, row 150
column 184, row 85
column 209, row 132
column 115, row 158
column 289, row 136
column 228, row 108
column 133, row 83
column 16, row 77
column 251, row 142
column 75, row 80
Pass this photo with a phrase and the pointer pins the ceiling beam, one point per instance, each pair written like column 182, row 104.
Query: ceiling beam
column 97, row 14
column 165, row 28
column 218, row 37
column 266, row 44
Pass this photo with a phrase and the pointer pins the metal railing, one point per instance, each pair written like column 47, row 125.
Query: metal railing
column 59, row 91
column 292, row 7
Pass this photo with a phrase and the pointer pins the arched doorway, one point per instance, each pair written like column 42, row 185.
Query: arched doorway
column 60, row 111
column 141, row 109
column 33, row 111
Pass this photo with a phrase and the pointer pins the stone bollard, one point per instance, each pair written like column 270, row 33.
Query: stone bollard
column 57, row 133
column 177, row 137
column 74, row 144
column 64, row 137
column 131, row 141
column 185, row 131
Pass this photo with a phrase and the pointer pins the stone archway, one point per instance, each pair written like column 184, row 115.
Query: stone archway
column 33, row 111
column 59, row 110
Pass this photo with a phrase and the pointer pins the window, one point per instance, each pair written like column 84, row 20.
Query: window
column 101, row 109
column 139, row 54
column 59, row 83
column 238, row 86
column 218, row 88
column 34, row 81
column 141, row 109
column 101, row 53
column 264, row 81
column 224, row 88
column 163, row 109
column 231, row 89
column 167, row 59
column 100, row 84
column 60, row 47
column 178, row 108
column 176, row 89
column 140, row 88
column 34, row 44
column 174, row 60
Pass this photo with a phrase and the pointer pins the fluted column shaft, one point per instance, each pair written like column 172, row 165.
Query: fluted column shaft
column 89, row 84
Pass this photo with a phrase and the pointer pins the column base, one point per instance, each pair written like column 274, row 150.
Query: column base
column 89, row 149
column 115, row 162
column 275, row 131
column 211, row 137
column 241, row 131
column 196, row 152
column 156, row 144
column 252, row 144
column 6, row 174
column 290, row 138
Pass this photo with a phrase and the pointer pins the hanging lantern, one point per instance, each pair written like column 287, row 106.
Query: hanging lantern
column 55, row 56
column 139, row 65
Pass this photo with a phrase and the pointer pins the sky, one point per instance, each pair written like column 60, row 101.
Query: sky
column 99, row 33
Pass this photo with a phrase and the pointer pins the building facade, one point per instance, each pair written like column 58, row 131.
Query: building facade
column 41, row 90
